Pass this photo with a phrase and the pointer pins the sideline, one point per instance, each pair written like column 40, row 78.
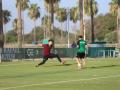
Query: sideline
column 60, row 82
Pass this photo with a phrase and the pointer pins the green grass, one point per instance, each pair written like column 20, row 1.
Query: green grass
column 99, row 74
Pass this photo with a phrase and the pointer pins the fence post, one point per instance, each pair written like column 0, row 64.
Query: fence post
column 0, row 54
column 104, row 54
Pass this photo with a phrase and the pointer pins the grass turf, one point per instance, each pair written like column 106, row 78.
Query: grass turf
column 98, row 74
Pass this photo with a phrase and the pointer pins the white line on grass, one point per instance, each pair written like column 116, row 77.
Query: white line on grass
column 60, row 82
column 14, row 64
column 18, row 64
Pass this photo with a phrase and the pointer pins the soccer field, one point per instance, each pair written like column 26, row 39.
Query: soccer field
column 99, row 74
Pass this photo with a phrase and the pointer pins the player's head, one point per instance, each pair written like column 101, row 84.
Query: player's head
column 51, row 42
column 80, row 37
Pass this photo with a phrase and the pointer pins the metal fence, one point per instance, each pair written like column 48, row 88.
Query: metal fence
column 8, row 54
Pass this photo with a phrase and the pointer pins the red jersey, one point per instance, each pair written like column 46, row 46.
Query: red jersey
column 46, row 49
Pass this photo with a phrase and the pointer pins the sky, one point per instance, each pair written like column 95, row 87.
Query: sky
column 10, row 5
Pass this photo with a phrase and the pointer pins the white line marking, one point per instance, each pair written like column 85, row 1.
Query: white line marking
column 14, row 64
column 20, row 64
column 59, row 82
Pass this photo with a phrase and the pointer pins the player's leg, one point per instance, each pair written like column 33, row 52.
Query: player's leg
column 78, row 60
column 78, row 63
column 82, row 63
column 45, row 58
column 83, row 60
column 52, row 55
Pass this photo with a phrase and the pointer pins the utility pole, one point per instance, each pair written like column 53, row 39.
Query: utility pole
column 81, row 17
column 68, row 22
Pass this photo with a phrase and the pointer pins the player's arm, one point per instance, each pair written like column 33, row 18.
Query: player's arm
column 86, row 45
column 78, row 43
column 40, row 45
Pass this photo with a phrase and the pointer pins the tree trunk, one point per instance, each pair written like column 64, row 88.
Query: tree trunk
column 61, row 32
column 92, row 23
column 1, row 31
column 44, row 31
column 1, row 27
column 81, row 17
column 34, row 31
column 52, row 19
column 23, row 28
column 118, row 23
column 48, row 32
column 4, row 30
column 19, row 24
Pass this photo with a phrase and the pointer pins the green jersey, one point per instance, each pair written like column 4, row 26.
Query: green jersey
column 82, row 44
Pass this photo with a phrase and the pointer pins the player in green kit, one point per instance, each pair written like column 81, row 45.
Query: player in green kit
column 81, row 44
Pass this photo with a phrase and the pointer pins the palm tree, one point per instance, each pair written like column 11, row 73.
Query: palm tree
column 91, row 9
column 81, row 17
column 93, row 6
column 6, row 19
column 15, row 27
column 52, row 6
column 113, row 7
column 14, row 23
column 115, row 10
column 87, row 7
column 1, row 27
column 61, row 17
column 19, row 23
column 34, row 14
column 46, row 23
column 74, row 15
column 118, row 22
column 24, row 6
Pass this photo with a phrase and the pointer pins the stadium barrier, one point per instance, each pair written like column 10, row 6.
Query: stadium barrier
column 9, row 54
column 102, row 52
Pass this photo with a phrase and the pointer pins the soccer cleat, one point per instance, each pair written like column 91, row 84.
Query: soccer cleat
column 63, row 62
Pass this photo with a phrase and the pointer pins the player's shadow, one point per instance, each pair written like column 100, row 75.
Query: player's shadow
column 63, row 65
column 98, row 67
column 36, row 74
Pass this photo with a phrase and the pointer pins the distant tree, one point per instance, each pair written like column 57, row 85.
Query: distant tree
column 24, row 6
column 51, row 6
column 61, row 17
column 1, row 27
column 34, row 14
column 6, row 19
column 46, row 23
column 11, row 37
column 74, row 16
column 115, row 10
column 81, row 17
column 19, row 23
column 91, row 9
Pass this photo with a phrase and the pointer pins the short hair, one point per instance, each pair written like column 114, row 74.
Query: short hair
column 51, row 40
column 80, row 36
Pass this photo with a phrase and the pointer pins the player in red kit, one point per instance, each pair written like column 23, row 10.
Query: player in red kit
column 47, row 53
